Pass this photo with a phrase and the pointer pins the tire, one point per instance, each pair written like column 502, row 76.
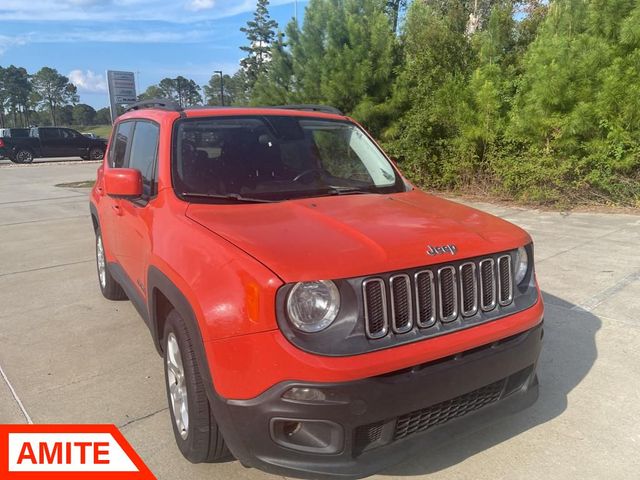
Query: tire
column 197, row 434
column 24, row 156
column 111, row 290
column 96, row 153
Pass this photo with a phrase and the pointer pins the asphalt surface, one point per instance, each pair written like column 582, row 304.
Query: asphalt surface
column 71, row 356
column 7, row 162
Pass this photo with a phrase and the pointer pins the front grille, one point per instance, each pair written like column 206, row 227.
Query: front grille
column 443, row 293
column 429, row 417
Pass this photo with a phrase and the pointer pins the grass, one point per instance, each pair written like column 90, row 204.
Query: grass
column 103, row 131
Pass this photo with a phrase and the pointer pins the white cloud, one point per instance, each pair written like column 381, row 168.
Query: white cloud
column 6, row 42
column 184, row 11
column 88, row 82
column 197, row 5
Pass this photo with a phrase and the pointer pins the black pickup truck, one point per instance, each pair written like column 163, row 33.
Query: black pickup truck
column 44, row 142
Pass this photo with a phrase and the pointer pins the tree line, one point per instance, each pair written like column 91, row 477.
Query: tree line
column 43, row 98
column 537, row 100
column 531, row 99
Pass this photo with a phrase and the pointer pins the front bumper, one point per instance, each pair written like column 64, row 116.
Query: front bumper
column 381, row 420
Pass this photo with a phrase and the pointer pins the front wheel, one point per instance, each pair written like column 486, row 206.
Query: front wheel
column 24, row 156
column 111, row 290
column 194, row 425
column 96, row 153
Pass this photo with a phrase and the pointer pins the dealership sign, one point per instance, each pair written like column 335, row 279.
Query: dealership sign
column 69, row 452
column 122, row 90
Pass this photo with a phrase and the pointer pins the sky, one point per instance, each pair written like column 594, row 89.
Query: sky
column 154, row 38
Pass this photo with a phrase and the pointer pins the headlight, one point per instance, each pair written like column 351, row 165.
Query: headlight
column 522, row 265
column 313, row 306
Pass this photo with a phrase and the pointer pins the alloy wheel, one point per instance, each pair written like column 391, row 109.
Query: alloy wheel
column 176, row 383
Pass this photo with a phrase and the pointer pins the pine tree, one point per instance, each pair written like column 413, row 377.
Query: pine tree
column 53, row 92
column 275, row 85
column 576, row 111
column 260, row 32
column 335, row 58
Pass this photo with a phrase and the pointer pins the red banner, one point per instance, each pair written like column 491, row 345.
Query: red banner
column 69, row 452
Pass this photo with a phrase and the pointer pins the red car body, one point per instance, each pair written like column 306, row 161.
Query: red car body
column 223, row 266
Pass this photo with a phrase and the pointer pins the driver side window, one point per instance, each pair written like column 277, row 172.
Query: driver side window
column 144, row 153
column 120, row 145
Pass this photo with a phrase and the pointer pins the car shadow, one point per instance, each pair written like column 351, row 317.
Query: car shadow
column 568, row 353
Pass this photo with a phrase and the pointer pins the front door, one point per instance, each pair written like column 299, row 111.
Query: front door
column 74, row 144
column 51, row 142
column 110, row 208
column 137, row 215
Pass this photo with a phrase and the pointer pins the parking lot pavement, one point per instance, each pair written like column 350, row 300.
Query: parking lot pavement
column 72, row 356
column 6, row 162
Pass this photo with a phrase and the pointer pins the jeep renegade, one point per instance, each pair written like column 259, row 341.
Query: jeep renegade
column 317, row 314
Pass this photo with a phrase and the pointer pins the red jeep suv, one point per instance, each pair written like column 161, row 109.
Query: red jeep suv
column 317, row 314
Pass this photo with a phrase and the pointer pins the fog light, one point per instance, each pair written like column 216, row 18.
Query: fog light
column 312, row 436
column 289, row 429
column 304, row 394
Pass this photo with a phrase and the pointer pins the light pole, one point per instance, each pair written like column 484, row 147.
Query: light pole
column 221, row 87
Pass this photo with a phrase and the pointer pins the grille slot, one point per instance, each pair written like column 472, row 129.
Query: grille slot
column 425, row 299
column 426, row 418
column 375, row 308
column 487, row 285
column 401, row 314
column 448, row 294
column 468, row 289
column 505, row 281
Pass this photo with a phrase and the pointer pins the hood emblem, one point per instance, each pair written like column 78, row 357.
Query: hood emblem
column 441, row 250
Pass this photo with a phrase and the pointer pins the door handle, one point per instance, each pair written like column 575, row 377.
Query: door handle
column 117, row 209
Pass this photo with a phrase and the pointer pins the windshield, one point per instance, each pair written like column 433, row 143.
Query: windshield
column 277, row 158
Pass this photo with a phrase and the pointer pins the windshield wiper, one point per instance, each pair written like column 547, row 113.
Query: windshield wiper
column 229, row 196
column 336, row 190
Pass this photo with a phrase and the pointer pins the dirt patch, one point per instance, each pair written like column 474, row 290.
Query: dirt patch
column 82, row 184
column 545, row 207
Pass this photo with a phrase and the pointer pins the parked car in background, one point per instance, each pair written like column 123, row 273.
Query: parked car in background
column 46, row 142
column 12, row 132
column 90, row 135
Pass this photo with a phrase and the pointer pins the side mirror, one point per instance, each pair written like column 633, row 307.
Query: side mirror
column 123, row 182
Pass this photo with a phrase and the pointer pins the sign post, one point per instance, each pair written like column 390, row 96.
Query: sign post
column 122, row 90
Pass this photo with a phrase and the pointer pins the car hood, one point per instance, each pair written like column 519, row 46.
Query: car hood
column 355, row 235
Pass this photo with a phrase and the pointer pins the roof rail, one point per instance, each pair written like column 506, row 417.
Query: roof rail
column 312, row 108
column 157, row 103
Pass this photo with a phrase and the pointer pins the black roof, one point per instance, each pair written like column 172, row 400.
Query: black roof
column 170, row 105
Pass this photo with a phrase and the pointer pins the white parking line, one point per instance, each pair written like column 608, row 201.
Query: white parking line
column 601, row 297
column 15, row 396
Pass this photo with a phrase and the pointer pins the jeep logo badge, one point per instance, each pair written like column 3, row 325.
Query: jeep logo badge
column 433, row 251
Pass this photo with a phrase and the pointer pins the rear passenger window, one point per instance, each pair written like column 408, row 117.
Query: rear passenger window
column 144, row 151
column 121, row 142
